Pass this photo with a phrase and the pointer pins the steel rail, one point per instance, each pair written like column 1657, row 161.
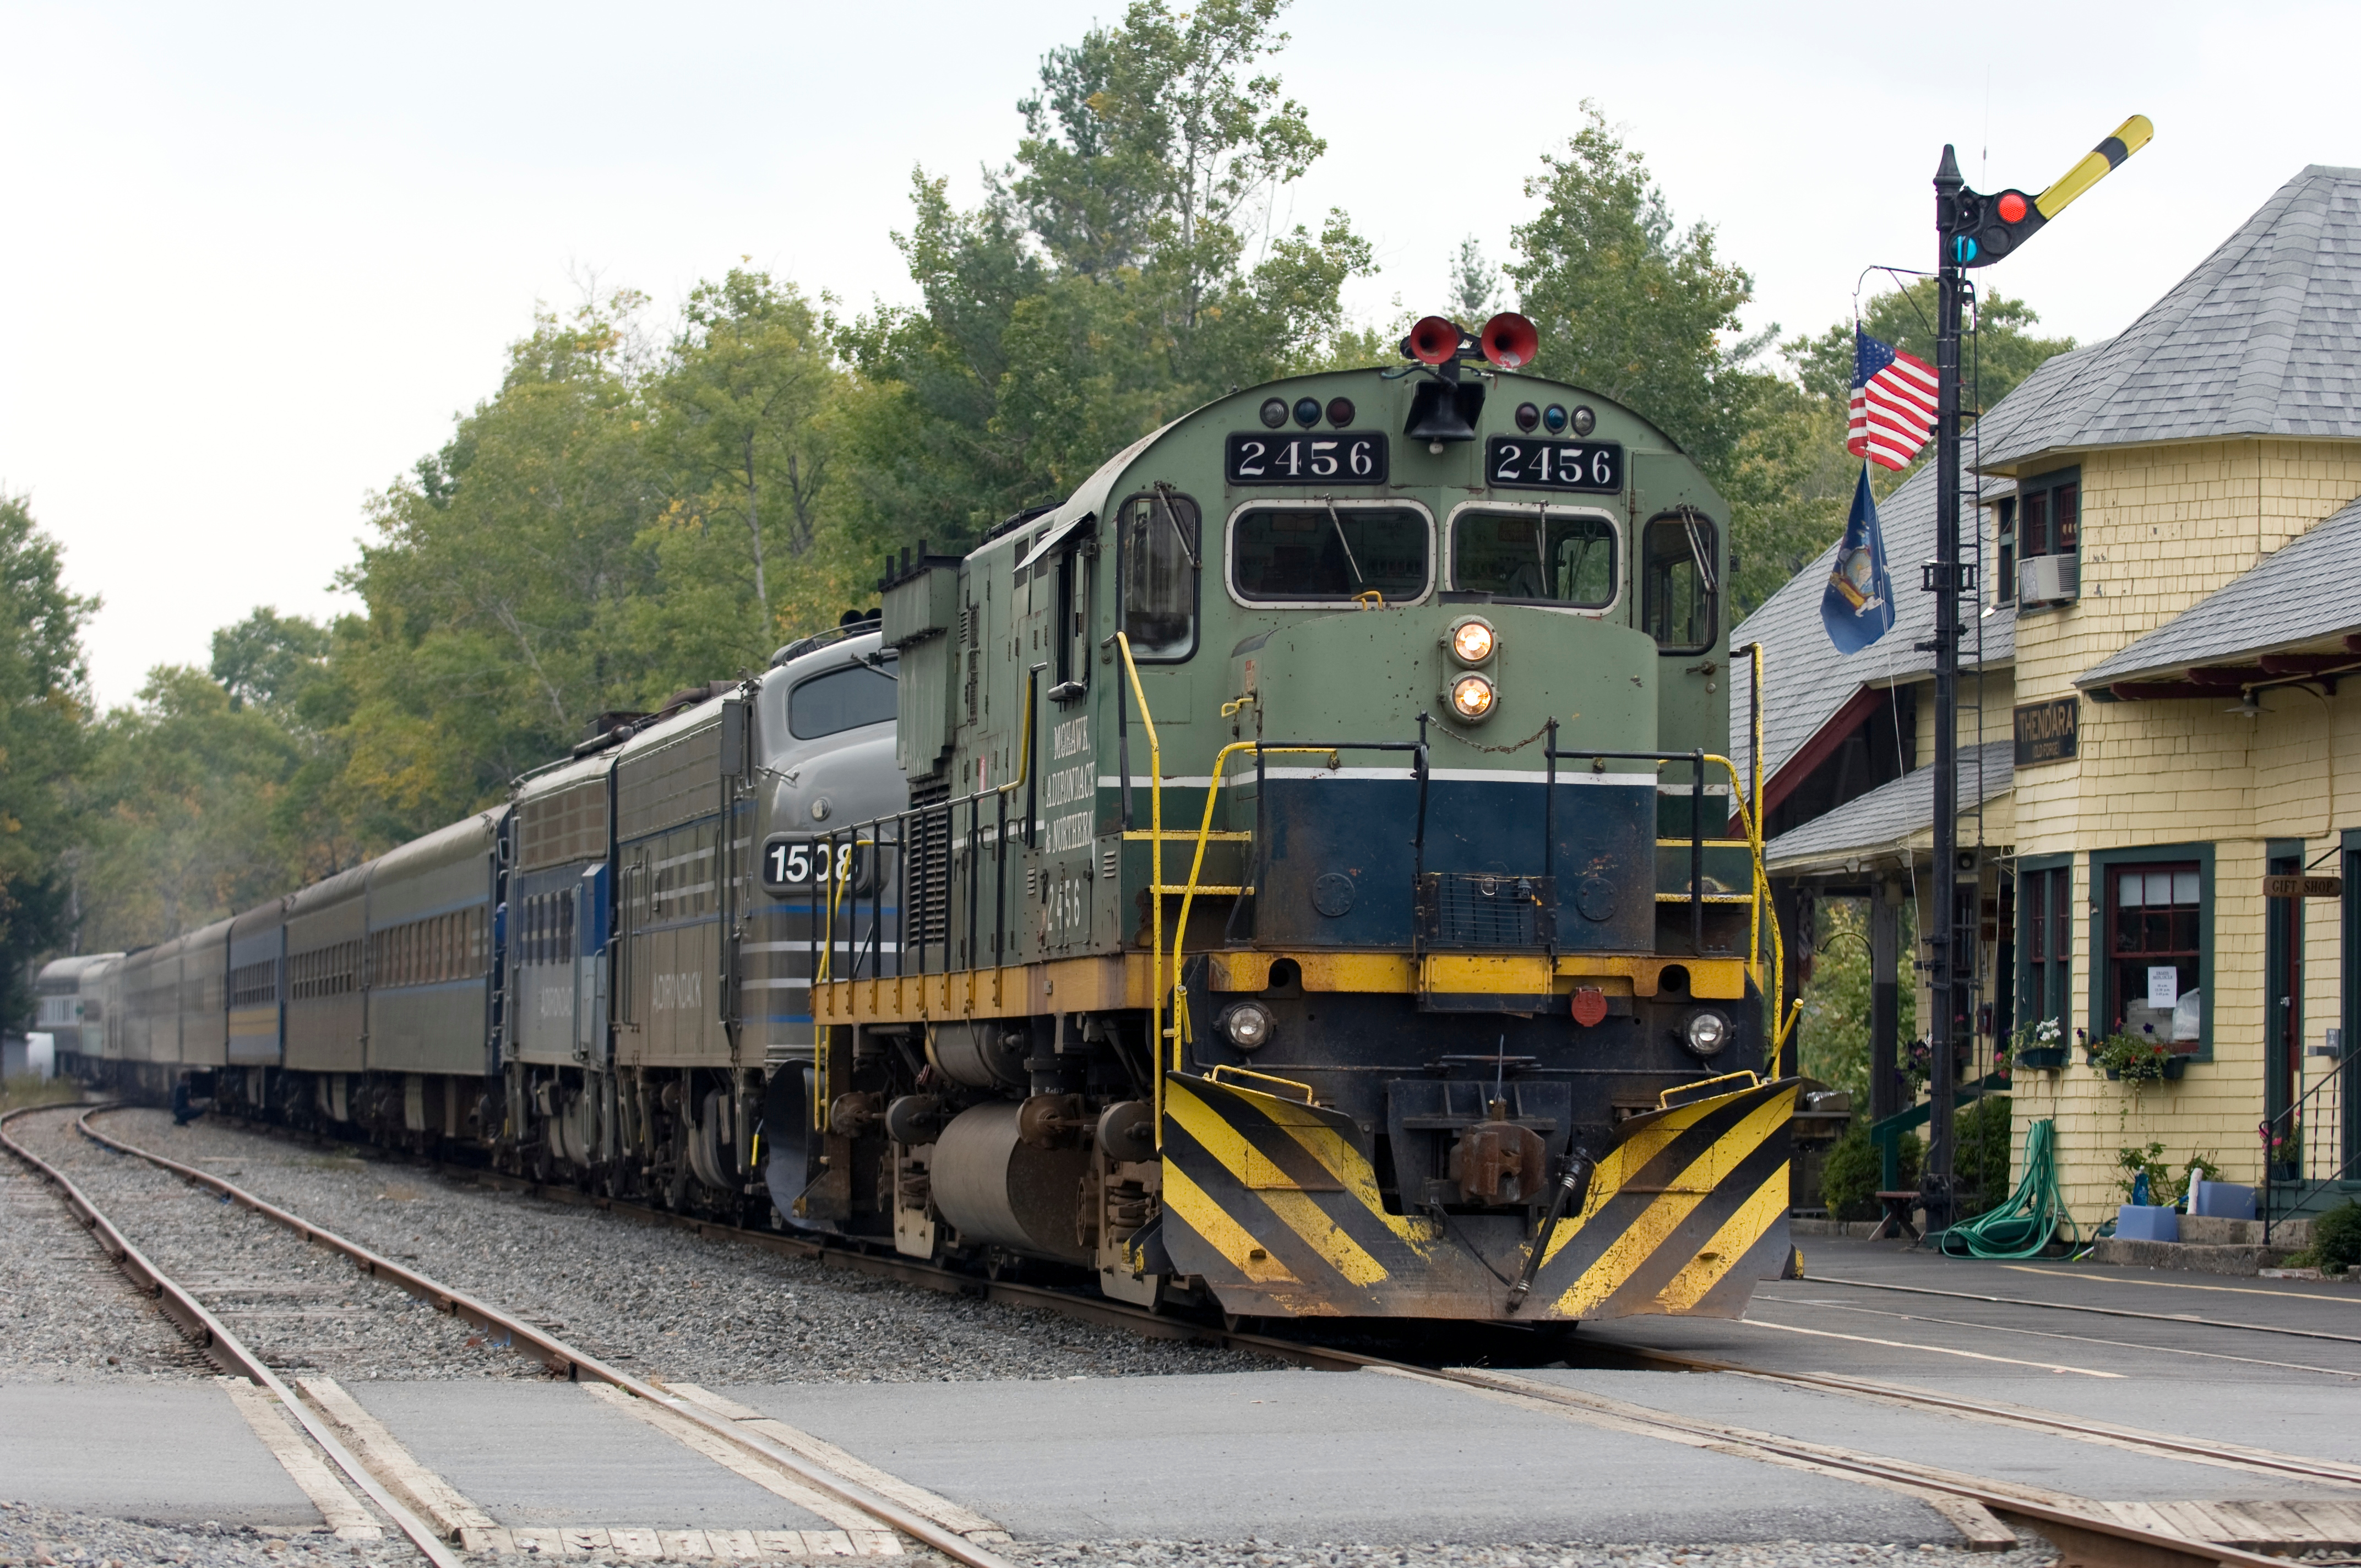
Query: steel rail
column 838, row 1254
column 2084, row 1535
column 2227, row 1455
column 2096, row 1312
column 1158, row 1325
column 223, row 1348
column 566, row 1361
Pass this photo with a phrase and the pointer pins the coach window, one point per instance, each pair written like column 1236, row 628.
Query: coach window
column 1321, row 551
column 841, row 699
column 1541, row 556
column 1679, row 585
column 1160, row 553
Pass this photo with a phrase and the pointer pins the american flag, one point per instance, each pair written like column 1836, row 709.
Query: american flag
column 1893, row 402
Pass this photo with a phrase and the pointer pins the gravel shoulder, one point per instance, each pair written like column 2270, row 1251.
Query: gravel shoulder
column 299, row 1307
column 655, row 1299
column 66, row 1312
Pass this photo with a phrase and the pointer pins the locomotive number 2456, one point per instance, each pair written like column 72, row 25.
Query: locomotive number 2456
column 1349, row 458
column 1594, row 466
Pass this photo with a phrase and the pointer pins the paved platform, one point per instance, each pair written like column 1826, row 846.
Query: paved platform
column 1297, row 1456
column 169, row 1452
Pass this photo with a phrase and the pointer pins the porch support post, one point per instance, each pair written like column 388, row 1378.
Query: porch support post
column 1884, row 1000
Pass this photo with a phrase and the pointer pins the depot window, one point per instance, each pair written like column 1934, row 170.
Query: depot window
column 2050, row 515
column 2151, row 952
column 1537, row 556
column 1680, row 588
column 1317, row 552
column 1159, row 549
column 2044, row 904
column 840, row 700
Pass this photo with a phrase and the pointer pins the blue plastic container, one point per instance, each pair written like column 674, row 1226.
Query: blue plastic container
column 2142, row 1223
column 2220, row 1200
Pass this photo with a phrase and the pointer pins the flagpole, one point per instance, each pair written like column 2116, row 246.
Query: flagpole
column 1943, row 581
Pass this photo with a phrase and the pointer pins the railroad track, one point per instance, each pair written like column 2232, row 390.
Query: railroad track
column 760, row 1450
column 2108, row 1535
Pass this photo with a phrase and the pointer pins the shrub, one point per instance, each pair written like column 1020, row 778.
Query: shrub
column 1852, row 1177
column 2336, row 1236
column 1980, row 1137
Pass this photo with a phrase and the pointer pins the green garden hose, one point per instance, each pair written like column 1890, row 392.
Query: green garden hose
column 2025, row 1224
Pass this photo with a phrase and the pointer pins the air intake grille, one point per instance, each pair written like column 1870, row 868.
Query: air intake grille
column 1480, row 910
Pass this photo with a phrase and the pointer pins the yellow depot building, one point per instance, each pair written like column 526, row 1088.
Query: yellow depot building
column 2161, row 769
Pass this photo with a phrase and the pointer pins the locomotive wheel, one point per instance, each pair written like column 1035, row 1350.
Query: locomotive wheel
column 1241, row 1324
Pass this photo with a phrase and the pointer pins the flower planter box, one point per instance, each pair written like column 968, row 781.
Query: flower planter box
column 2051, row 1057
column 2174, row 1067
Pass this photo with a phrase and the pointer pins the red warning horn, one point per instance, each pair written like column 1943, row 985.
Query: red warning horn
column 1509, row 340
column 1432, row 341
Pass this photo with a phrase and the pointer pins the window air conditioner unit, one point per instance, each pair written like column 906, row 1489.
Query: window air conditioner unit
column 2046, row 579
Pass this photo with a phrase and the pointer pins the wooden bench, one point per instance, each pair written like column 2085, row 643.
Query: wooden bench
column 1897, row 1215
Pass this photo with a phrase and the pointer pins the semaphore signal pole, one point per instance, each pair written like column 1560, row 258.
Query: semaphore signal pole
column 1972, row 230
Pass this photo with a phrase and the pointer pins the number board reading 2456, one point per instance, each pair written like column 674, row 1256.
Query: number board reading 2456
column 1349, row 458
column 1592, row 466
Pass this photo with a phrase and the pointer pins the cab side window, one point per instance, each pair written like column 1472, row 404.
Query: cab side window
column 1680, row 590
column 1160, row 553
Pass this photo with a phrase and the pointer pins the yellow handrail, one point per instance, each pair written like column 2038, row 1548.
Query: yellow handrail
column 1155, row 879
column 1197, row 865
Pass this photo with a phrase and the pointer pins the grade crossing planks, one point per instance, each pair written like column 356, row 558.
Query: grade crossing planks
column 2261, row 1522
column 707, row 1546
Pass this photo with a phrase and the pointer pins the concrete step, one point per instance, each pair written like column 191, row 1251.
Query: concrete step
column 2290, row 1234
column 2198, row 1257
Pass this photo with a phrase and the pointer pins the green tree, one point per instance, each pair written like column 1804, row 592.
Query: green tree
column 44, row 702
column 1628, row 304
column 180, row 801
column 1104, row 288
column 1475, row 286
column 740, row 413
column 1833, row 1036
column 498, row 580
column 271, row 659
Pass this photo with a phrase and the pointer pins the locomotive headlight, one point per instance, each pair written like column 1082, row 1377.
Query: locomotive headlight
column 1472, row 640
column 1247, row 1025
column 1706, row 1031
column 1472, row 697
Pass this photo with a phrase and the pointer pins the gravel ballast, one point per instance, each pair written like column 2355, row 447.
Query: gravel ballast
column 651, row 1299
column 42, row 1537
column 299, row 1307
column 66, row 1311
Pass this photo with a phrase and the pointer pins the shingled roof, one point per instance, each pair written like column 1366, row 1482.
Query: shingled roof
column 2263, row 338
column 1882, row 824
column 2306, row 591
column 1806, row 680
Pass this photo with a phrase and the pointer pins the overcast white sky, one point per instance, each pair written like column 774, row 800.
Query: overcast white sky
column 258, row 258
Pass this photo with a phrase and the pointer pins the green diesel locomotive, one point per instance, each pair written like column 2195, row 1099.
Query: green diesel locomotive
column 1324, row 889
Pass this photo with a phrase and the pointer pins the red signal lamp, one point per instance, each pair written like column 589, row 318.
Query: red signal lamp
column 1434, row 340
column 2013, row 206
column 1509, row 340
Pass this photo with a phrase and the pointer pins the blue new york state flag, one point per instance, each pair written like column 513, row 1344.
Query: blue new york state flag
column 1858, row 607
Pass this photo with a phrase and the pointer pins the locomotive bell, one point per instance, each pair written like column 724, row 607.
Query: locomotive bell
column 1441, row 411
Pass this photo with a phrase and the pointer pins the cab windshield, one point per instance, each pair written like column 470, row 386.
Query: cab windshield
column 1329, row 553
column 1547, row 559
